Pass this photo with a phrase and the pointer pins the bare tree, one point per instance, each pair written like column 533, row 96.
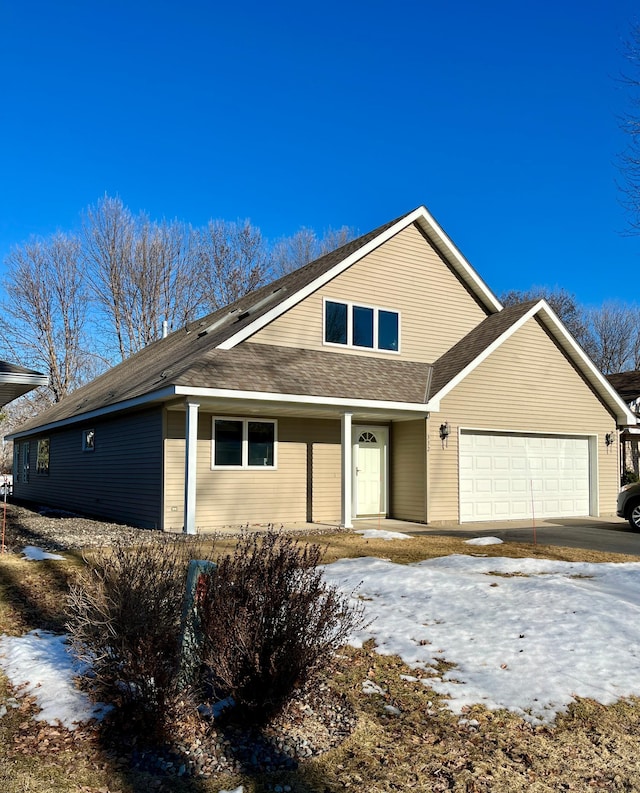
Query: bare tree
column 108, row 241
column 290, row 253
column 44, row 313
column 562, row 302
column 614, row 332
column 142, row 273
column 232, row 261
column 630, row 124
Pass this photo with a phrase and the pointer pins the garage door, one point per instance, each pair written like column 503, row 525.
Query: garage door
column 507, row 476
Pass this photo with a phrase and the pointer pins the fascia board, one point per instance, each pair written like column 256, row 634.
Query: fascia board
column 154, row 396
column 485, row 353
column 432, row 229
column 455, row 257
column 623, row 414
column 299, row 399
column 579, row 357
column 222, row 393
column 13, row 378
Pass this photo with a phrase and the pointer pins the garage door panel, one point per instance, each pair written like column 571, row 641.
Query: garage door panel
column 501, row 472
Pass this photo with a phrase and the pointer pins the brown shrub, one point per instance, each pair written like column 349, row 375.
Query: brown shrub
column 269, row 620
column 124, row 618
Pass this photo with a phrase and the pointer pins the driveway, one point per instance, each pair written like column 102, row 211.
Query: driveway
column 611, row 535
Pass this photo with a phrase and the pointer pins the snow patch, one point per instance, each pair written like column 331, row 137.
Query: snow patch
column 484, row 541
column 34, row 554
column 38, row 664
column 382, row 534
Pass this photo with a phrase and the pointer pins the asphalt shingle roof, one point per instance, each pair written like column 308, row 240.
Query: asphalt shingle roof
column 474, row 343
column 627, row 384
column 189, row 353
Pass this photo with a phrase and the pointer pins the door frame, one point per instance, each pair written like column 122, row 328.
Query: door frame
column 382, row 431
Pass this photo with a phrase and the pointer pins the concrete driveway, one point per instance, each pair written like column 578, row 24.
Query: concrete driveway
column 611, row 535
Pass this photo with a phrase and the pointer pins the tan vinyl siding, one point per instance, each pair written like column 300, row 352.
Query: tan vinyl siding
column 408, row 470
column 406, row 275
column 120, row 480
column 526, row 385
column 305, row 485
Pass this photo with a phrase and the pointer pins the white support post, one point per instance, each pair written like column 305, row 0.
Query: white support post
column 190, row 467
column 347, row 470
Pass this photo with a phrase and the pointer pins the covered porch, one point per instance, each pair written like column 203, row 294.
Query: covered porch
column 340, row 453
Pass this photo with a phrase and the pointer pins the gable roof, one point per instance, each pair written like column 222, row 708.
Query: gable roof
column 452, row 367
column 301, row 283
column 627, row 384
column 167, row 366
column 15, row 381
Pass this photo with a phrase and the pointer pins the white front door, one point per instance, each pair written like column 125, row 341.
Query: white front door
column 370, row 467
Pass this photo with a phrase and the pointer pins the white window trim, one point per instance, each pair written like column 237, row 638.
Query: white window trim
column 245, row 444
column 85, row 445
column 39, row 470
column 350, row 304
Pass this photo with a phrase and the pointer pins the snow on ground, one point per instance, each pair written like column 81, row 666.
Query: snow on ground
column 484, row 541
column 40, row 663
column 525, row 634
column 382, row 534
column 37, row 554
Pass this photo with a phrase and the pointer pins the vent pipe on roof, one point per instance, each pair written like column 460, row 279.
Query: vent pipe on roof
column 165, row 328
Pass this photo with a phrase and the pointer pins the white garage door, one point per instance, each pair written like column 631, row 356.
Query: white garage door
column 507, row 476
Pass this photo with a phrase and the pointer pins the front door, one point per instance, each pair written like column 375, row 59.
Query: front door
column 370, row 467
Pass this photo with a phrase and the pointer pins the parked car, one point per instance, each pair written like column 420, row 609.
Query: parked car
column 629, row 504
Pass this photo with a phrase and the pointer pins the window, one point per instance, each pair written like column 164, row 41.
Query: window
column 243, row 443
column 16, row 462
column 361, row 326
column 25, row 461
column 42, row 459
column 88, row 440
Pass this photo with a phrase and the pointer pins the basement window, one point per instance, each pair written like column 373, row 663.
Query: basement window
column 243, row 443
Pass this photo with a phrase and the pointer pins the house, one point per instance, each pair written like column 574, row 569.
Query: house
column 627, row 384
column 384, row 378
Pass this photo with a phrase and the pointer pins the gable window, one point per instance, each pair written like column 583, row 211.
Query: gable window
column 243, row 443
column 42, row 458
column 367, row 327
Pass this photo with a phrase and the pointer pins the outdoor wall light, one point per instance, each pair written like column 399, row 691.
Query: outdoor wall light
column 608, row 439
column 444, row 433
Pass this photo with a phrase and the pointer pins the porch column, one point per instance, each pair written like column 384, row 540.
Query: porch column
column 347, row 469
column 190, row 467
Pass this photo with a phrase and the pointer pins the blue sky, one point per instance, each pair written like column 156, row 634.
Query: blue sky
column 501, row 119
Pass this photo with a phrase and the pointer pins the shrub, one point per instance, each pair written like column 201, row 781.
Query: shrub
column 124, row 621
column 269, row 621
column 628, row 477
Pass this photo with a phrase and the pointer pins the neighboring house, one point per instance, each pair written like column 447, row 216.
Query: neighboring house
column 384, row 378
column 627, row 384
column 15, row 381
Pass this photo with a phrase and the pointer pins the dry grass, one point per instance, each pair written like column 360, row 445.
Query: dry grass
column 424, row 748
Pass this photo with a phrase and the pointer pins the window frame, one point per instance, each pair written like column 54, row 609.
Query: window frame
column 86, row 446
column 244, row 466
column 350, row 304
column 41, row 469
column 26, row 461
